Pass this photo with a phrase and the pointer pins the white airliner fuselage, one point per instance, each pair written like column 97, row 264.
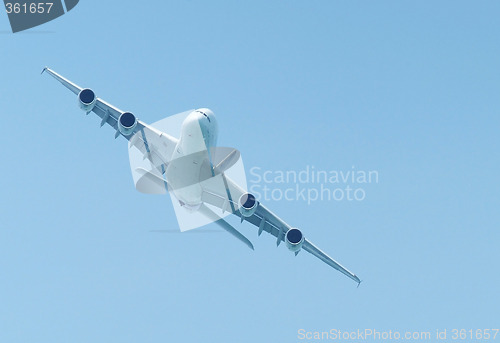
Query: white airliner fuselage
column 198, row 135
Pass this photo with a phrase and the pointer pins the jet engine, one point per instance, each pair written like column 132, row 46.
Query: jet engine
column 127, row 123
column 294, row 239
column 87, row 99
column 248, row 204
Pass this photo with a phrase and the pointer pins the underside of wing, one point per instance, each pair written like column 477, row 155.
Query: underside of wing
column 148, row 143
column 226, row 195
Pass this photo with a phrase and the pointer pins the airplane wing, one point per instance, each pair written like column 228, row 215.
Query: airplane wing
column 223, row 193
column 153, row 144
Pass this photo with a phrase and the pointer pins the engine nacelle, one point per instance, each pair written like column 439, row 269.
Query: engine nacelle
column 294, row 239
column 87, row 99
column 127, row 123
column 247, row 204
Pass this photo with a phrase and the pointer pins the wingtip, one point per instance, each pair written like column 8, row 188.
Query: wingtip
column 44, row 69
column 359, row 283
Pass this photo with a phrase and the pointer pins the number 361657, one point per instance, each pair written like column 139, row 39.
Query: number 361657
column 41, row 7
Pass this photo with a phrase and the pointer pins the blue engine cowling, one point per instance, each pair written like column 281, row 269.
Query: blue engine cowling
column 127, row 123
column 87, row 99
column 294, row 239
column 247, row 204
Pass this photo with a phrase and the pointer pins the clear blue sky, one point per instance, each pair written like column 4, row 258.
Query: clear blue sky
column 407, row 88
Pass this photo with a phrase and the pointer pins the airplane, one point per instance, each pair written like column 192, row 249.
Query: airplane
column 193, row 168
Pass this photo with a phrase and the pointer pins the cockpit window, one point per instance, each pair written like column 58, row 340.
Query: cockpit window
column 204, row 115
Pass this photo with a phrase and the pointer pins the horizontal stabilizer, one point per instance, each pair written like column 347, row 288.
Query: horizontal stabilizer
column 224, row 158
column 150, row 183
column 207, row 212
